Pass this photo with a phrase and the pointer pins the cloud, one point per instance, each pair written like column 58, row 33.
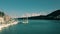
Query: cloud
column 29, row 15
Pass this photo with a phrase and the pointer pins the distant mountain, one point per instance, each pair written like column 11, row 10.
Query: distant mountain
column 55, row 15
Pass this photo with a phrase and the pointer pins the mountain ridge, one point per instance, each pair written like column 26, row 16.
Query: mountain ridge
column 55, row 15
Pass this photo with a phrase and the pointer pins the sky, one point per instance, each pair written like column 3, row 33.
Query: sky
column 19, row 8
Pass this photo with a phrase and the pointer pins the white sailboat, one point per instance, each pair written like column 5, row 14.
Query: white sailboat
column 25, row 21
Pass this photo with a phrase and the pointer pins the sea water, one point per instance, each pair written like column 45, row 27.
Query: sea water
column 34, row 27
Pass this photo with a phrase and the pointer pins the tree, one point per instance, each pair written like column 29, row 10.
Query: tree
column 2, row 14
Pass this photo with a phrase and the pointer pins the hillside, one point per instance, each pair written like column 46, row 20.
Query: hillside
column 55, row 15
column 4, row 17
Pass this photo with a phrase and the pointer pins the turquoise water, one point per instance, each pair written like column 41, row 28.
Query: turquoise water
column 34, row 27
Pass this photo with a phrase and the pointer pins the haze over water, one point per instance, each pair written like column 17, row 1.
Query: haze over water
column 34, row 27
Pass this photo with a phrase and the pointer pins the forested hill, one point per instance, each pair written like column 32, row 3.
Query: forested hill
column 55, row 15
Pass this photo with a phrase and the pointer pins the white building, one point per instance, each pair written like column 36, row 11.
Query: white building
column 1, row 20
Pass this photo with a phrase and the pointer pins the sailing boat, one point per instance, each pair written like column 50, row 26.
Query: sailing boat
column 25, row 20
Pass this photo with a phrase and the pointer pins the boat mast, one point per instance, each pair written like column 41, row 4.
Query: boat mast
column 25, row 20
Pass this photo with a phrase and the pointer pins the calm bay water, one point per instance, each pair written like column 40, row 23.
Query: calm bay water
column 34, row 27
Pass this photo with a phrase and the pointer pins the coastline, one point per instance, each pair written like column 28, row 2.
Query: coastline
column 7, row 25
